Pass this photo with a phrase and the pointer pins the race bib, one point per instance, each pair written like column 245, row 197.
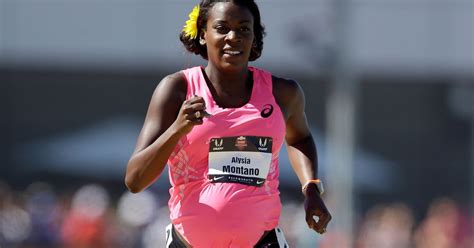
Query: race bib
column 241, row 159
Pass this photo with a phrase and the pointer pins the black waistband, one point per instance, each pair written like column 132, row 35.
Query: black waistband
column 268, row 240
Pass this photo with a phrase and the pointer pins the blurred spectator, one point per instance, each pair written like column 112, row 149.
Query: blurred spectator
column 137, row 209
column 15, row 222
column 40, row 218
column 85, row 224
column 135, row 213
column 292, row 216
column 387, row 227
column 154, row 234
column 333, row 239
column 42, row 206
column 444, row 227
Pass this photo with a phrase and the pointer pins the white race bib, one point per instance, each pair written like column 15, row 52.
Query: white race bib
column 240, row 159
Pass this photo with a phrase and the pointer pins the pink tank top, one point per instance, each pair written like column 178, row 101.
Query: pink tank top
column 224, row 173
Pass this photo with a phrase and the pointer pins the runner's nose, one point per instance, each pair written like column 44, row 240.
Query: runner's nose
column 233, row 36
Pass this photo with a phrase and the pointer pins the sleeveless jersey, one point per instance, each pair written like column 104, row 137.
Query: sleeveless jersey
column 224, row 173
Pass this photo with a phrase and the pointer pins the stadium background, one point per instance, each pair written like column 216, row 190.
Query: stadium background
column 390, row 98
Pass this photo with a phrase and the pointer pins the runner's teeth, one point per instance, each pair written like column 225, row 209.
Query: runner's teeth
column 232, row 52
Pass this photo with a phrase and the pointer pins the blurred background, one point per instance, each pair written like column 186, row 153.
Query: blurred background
column 390, row 99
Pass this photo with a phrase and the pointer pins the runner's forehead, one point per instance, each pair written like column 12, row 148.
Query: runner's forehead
column 227, row 12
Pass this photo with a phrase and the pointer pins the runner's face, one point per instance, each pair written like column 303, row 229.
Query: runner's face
column 229, row 35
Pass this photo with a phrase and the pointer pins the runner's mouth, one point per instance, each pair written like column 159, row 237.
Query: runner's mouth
column 232, row 52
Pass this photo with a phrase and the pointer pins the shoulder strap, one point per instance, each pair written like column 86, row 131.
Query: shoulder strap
column 264, row 82
column 193, row 78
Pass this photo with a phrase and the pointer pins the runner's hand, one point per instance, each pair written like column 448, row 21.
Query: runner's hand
column 191, row 114
column 315, row 207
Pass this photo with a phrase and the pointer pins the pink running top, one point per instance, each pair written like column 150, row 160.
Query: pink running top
column 224, row 173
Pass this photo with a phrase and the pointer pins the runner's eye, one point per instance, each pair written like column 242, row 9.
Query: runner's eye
column 245, row 29
column 221, row 29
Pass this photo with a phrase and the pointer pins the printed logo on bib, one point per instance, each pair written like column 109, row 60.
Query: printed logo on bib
column 241, row 143
column 240, row 159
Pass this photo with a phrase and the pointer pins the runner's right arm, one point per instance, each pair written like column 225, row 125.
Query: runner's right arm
column 169, row 117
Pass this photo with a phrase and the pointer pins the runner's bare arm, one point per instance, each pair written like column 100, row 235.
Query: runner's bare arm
column 300, row 144
column 168, row 118
column 301, row 148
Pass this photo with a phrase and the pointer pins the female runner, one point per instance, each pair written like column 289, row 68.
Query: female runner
column 220, row 129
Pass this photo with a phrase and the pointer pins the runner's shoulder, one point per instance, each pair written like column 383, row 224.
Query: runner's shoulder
column 287, row 93
column 175, row 82
column 173, row 87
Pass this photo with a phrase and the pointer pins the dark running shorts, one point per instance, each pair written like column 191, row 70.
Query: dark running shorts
column 274, row 239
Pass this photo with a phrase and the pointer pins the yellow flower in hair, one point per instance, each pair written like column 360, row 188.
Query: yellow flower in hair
column 190, row 29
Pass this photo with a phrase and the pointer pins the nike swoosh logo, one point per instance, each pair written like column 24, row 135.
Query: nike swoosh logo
column 260, row 182
column 216, row 178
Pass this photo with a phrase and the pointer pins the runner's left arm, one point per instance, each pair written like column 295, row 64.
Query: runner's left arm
column 302, row 150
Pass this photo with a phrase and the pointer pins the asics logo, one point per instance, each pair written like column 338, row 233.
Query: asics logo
column 267, row 110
